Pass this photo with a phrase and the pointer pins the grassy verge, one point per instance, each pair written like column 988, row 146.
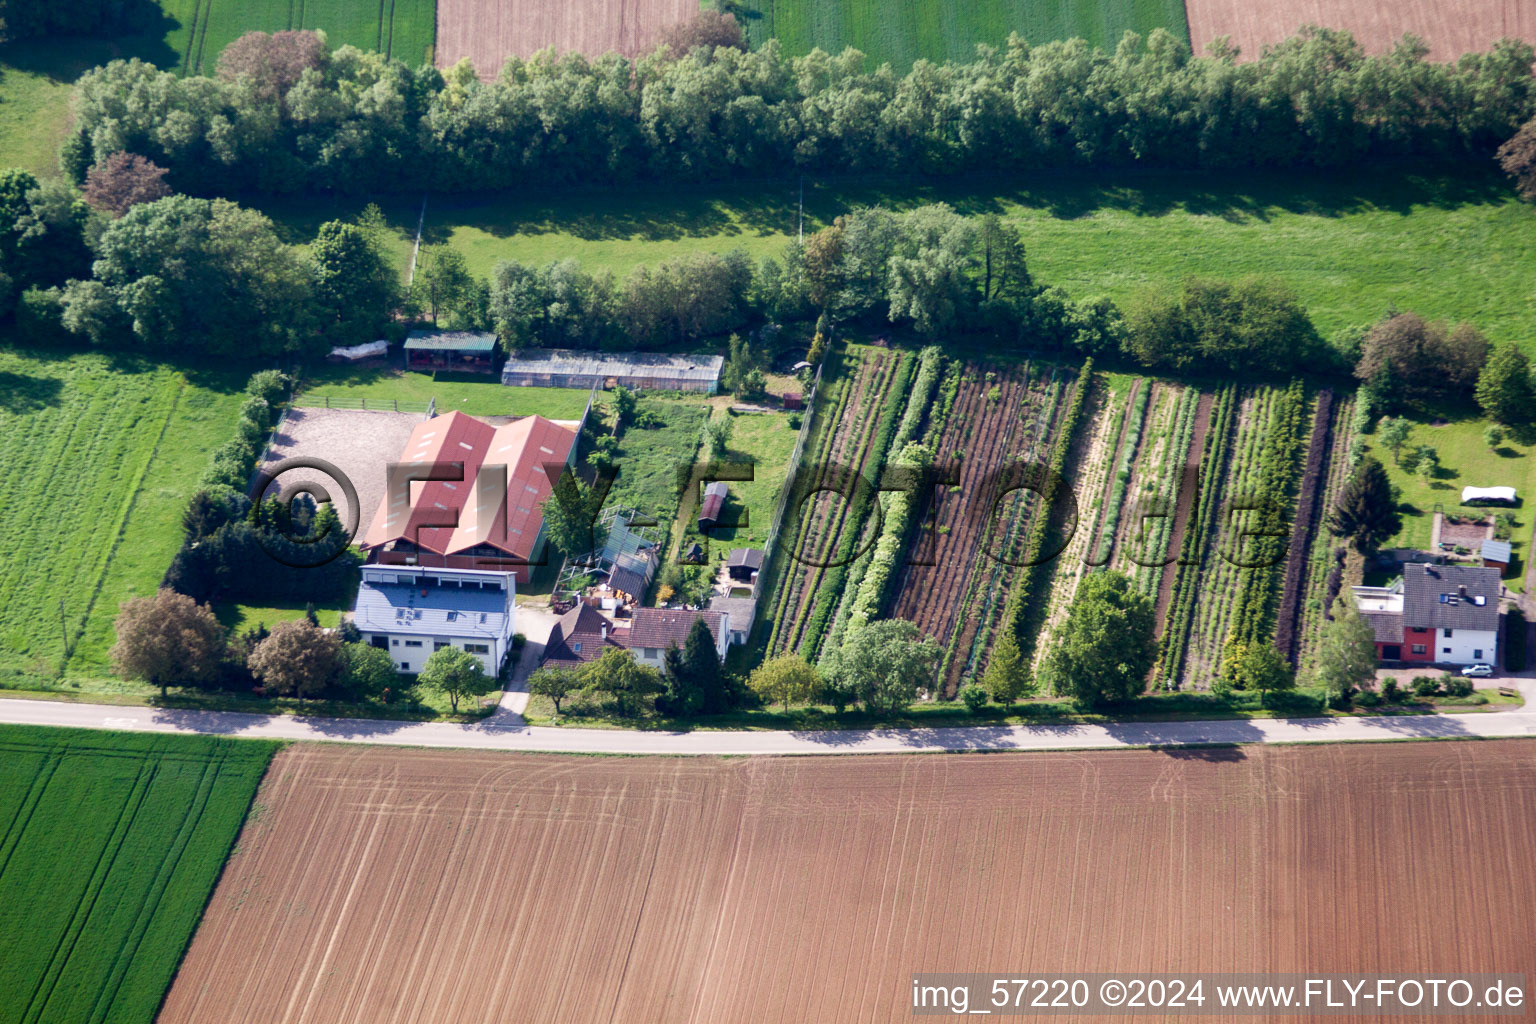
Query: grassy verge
column 113, row 843
column 1152, row 707
column 123, row 693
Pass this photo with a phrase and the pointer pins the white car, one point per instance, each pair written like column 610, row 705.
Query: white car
column 1478, row 671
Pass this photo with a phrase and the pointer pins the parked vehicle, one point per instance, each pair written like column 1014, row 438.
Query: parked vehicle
column 1477, row 671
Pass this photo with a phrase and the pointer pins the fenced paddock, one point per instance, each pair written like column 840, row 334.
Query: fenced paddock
column 361, row 443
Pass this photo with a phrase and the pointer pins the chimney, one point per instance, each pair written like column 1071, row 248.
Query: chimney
column 1463, row 590
column 605, row 631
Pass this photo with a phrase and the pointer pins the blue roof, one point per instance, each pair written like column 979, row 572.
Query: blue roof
column 444, row 611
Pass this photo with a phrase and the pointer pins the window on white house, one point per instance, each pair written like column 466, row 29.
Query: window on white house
column 405, row 666
column 1477, row 653
column 1448, row 634
column 651, row 652
column 438, row 645
column 1445, row 650
column 478, row 648
column 395, row 642
column 413, row 643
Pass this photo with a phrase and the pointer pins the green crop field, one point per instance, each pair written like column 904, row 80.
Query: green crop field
column 110, row 845
column 405, row 29
column 1449, row 245
column 100, row 456
column 938, row 30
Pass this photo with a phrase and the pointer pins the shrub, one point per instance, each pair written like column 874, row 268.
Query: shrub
column 1457, row 686
column 1390, row 691
column 268, row 385
column 258, row 412
column 973, row 697
column 1368, row 698
column 250, row 432
column 794, row 421
column 1425, row 686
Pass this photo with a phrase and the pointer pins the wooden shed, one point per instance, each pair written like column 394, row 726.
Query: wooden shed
column 714, row 501
column 463, row 351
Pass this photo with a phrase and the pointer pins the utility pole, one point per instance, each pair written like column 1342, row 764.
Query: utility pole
column 802, row 210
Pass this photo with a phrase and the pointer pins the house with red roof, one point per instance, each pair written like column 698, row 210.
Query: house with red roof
column 467, row 494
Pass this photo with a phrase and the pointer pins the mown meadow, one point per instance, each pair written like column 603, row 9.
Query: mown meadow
column 100, row 456
column 110, row 845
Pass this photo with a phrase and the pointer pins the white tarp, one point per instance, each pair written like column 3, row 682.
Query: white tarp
column 1501, row 494
column 364, row 351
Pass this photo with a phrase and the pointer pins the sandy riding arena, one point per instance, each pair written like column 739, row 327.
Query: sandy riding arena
column 377, row 885
column 1450, row 27
column 490, row 31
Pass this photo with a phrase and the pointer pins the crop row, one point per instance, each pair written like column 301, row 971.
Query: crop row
column 1155, row 481
column 1279, row 468
column 843, row 531
column 1130, row 447
column 1305, row 528
column 1321, row 583
column 1197, row 535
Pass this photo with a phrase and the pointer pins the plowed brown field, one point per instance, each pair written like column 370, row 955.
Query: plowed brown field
column 490, row 31
column 377, row 885
column 1450, row 27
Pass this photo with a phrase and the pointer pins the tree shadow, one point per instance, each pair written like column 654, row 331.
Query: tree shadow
column 63, row 59
column 20, row 394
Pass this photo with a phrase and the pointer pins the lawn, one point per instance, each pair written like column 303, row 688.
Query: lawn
column 237, row 618
column 1464, row 461
column 1352, row 245
column 100, row 456
column 650, row 459
column 765, row 440
column 111, row 847
column 475, row 395
column 940, row 30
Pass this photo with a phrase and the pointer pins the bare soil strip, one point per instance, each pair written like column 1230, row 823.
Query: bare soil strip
column 490, row 31
column 1450, row 27
column 378, row 885
column 1189, row 494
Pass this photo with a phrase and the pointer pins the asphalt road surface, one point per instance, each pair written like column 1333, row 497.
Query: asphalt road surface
column 505, row 731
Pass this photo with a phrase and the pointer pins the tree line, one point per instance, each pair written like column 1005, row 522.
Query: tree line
column 285, row 115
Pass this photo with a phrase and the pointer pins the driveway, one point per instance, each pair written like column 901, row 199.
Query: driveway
column 502, row 733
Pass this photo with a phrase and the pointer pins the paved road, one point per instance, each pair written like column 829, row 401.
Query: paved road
column 506, row 733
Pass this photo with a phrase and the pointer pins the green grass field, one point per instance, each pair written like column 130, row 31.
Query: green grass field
column 649, row 458
column 1464, row 461
column 938, row 30
column 765, row 440
column 100, row 456
column 1353, row 245
column 199, row 29
column 110, row 845
column 485, row 396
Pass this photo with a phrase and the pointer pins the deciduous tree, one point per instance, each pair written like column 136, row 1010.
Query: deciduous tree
column 884, row 665
column 297, row 658
column 1504, row 387
column 1103, row 650
column 1518, row 158
column 366, row 671
column 1345, row 659
column 168, row 640
column 356, row 288
column 630, row 685
column 787, row 679
column 456, row 674
column 555, row 682
column 122, row 181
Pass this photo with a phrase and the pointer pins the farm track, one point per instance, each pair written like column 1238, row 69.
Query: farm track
column 1304, row 527
column 375, row 886
column 1184, row 505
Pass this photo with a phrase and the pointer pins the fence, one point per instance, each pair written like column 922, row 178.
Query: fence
column 806, row 426
column 369, row 404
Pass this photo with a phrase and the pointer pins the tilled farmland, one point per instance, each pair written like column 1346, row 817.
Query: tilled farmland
column 377, row 885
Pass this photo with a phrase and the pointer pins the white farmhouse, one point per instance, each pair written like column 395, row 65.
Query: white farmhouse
column 411, row 611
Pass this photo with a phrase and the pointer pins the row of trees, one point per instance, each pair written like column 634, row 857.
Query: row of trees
column 283, row 115
column 171, row 640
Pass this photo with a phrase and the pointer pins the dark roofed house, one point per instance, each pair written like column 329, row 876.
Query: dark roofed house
column 579, row 636
column 631, row 573
column 744, row 564
column 694, row 555
column 652, row 630
column 472, row 351
column 714, row 501
column 1436, row 614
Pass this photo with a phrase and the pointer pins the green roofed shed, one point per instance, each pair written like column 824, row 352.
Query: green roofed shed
column 474, row 351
